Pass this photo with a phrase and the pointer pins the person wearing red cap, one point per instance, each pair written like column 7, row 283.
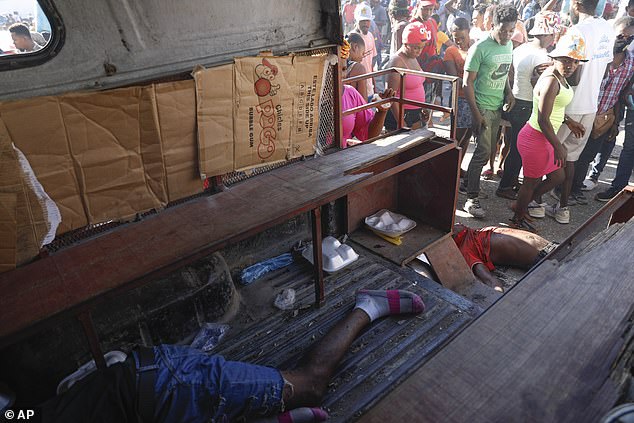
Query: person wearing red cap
column 415, row 37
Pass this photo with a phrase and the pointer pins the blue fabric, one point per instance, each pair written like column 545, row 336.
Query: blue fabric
column 260, row 269
column 464, row 118
column 626, row 159
column 192, row 386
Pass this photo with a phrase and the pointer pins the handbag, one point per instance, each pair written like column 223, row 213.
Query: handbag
column 602, row 123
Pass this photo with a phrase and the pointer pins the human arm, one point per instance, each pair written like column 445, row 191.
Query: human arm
column 393, row 82
column 485, row 275
column 575, row 127
column 509, row 98
column 376, row 124
column 537, row 72
column 362, row 85
column 547, row 92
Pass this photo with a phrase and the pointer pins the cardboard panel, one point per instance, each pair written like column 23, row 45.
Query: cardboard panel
column 36, row 127
column 263, row 107
column 104, row 135
column 151, row 147
column 12, row 186
column 214, row 102
column 176, row 105
column 8, row 230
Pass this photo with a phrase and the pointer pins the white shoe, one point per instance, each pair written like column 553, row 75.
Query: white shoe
column 473, row 207
column 536, row 209
column 589, row 184
column 560, row 214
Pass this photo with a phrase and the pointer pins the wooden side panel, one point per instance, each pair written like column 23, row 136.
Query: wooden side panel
column 448, row 263
column 371, row 199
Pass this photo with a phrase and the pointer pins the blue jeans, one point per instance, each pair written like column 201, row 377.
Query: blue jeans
column 592, row 148
column 192, row 386
column 626, row 159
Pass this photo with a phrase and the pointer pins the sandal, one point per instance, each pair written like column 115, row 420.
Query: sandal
column 522, row 224
column 487, row 174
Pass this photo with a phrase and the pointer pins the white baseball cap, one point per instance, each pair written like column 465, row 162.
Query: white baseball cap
column 363, row 12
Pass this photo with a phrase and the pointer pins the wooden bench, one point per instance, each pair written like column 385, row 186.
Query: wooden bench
column 74, row 280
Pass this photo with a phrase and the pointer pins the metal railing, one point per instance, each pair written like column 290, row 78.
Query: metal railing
column 403, row 101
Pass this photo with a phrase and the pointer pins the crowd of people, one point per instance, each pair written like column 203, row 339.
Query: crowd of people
column 552, row 85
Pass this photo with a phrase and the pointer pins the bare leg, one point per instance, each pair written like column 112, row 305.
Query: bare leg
column 552, row 180
column 567, row 185
column 524, row 197
column 310, row 380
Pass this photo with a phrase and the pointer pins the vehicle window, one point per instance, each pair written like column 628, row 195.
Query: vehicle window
column 26, row 31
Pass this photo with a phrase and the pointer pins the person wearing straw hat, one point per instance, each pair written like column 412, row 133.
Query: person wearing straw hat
column 541, row 151
column 529, row 61
column 599, row 36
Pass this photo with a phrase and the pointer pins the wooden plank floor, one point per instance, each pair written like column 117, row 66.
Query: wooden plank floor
column 543, row 353
column 384, row 354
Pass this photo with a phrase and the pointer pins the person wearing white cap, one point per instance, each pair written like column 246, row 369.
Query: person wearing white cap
column 529, row 61
column 542, row 152
column 363, row 18
column 599, row 36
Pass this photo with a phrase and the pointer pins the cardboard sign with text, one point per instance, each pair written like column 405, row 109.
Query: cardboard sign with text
column 309, row 72
column 263, row 104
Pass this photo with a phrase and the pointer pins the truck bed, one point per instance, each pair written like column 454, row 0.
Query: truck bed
column 381, row 357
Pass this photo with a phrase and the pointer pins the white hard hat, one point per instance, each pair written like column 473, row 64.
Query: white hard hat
column 363, row 12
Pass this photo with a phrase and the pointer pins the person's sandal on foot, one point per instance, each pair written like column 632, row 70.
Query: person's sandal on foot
column 522, row 224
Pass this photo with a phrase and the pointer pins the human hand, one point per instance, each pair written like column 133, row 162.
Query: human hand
column 510, row 102
column 477, row 123
column 577, row 128
column 560, row 154
column 539, row 69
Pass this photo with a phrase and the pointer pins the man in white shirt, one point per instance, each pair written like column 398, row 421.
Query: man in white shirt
column 599, row 37
column 363, row 17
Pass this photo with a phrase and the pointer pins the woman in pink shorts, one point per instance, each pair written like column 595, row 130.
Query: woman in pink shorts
column 541, row 151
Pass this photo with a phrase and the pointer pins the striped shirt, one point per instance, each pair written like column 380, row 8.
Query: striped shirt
column 614, row 83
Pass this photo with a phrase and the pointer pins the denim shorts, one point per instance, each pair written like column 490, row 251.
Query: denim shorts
column 194, row 386
column 463, row 115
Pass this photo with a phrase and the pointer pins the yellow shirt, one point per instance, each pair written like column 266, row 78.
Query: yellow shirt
column 441, row 38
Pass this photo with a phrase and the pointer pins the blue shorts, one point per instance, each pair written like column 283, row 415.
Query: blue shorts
column 194, row 386
column 463, row 115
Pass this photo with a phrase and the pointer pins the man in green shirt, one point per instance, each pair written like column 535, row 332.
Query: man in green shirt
column 486, row 89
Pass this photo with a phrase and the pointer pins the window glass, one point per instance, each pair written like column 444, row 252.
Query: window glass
column 24, row 28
